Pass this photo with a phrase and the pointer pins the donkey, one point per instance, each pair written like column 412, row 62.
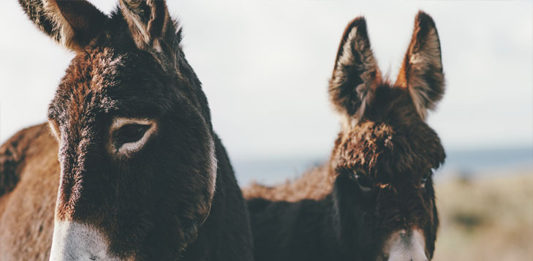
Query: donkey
column 374, row 199
column 141, row 174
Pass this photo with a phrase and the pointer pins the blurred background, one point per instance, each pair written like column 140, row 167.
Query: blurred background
column 265, row 66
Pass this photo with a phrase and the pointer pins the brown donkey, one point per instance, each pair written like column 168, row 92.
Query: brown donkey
column 141, row 173
column 374, row 200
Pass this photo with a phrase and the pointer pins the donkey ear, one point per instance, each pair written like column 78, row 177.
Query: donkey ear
column 421, row 70
column 74, row 24
column 149, row 22
column 356, row 73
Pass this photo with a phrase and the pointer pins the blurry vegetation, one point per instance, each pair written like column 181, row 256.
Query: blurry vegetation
column 486, row 219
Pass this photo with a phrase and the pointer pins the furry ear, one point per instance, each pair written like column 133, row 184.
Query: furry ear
column 421, row 70
column 72, row 23
column 356, row 73
column 149, row 22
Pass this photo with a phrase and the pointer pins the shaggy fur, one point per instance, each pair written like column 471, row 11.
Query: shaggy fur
column 158, row 203
column 379, row 176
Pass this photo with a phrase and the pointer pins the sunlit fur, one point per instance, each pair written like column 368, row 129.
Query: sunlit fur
column 377, row 184
column 173, row 197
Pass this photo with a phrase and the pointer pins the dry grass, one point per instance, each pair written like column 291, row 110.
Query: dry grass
column 486, row 219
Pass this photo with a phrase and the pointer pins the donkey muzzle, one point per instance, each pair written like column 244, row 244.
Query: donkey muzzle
column 405, row 245
column 76, row 241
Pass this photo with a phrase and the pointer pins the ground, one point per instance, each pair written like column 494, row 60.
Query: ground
column 487, row 218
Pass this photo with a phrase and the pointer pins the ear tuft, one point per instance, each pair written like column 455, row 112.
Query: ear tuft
column 421, row 70
column 74, row 24
column 149, row 22
column 356, row 72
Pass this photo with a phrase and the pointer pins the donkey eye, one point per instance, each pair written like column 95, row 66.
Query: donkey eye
column 424, row 180
column 129, row 133
column 365, row 183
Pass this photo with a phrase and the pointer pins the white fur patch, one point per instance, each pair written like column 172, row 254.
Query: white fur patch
column 405, row 245
column 75, row 241
column 127, row 149
column 213, row 166
column 55, row 129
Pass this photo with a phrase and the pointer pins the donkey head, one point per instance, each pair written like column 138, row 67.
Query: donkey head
column 385, row 153
column 137, row 155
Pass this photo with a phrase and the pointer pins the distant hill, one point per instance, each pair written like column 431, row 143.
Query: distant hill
column 464, row 163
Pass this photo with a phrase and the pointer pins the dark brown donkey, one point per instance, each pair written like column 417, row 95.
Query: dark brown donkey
column 374, row 200
column 141, row 173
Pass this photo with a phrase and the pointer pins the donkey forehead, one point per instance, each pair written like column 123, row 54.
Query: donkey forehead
column 99, row 79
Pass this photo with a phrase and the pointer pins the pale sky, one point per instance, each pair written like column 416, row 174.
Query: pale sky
column 265, row 66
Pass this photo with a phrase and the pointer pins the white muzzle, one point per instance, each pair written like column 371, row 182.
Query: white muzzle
column 75, row 241
column 406, row 245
